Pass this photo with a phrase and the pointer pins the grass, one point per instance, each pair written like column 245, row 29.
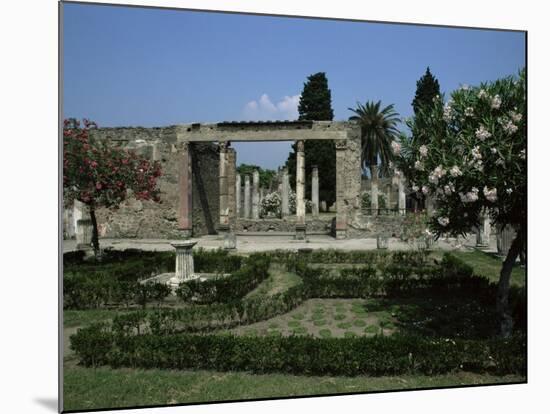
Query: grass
column 86, row 388
column 279, row 280
column 72, row 318
column 488, row 265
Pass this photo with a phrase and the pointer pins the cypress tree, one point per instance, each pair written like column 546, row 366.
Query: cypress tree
column 316, row 105
column 427, row 88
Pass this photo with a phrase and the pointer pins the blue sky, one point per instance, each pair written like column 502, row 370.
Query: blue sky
column 150, row 67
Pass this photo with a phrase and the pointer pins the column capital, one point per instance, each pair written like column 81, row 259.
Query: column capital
column 224, row 145
column 300, row 145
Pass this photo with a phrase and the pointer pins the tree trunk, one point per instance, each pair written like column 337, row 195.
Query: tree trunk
column 95, row 234
column 503, row 308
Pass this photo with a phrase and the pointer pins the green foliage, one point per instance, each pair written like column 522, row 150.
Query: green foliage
column 378, row 132
column 474, row 157
column 100, row 174
column 315, row 100
column 92, row 344
column 228, row 288
column 266, row 175
column 114, row 279
column 427, row 89
column 216, row 261
column 393, row 355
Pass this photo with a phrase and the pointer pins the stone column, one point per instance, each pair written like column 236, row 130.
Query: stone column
column 68, row 223
column 401, row 190
column 224, row 193
column 374, row 190
column 388, row 196
column 238, row 195
column 341, row 214
column 84, row 227
column 285, row 190
column 429, row 205
column 185, row 187
column 247, row 200
column 483, row 232
column 300, row 191
column 256, row 195
column 231, row 186
column 185, row 269
column 315, row 191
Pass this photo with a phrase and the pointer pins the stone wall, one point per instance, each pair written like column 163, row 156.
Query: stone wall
column 364, row 226
column 147, row 219
column 321, row 225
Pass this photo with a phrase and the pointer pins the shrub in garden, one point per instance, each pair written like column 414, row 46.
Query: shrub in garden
column 472, row 160
column 229, row 288
column 100, row 174
column 393, row 355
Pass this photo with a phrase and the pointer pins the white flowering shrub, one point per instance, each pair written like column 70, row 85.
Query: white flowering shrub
column 271, row 203
column 471, row 158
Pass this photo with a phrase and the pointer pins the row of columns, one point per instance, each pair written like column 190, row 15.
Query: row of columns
column 230, row 195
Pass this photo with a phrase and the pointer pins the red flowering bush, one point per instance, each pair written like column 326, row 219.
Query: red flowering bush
column 100, row 175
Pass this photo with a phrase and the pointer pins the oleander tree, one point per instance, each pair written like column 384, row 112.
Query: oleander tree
column 474, row 164
column 100, row 175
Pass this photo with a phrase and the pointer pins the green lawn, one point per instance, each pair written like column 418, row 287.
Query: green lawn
column 72, row 318
column 279, row 280
column 105, row 387
column 488, row 265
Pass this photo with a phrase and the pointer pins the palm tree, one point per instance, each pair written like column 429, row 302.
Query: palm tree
column 378, row 130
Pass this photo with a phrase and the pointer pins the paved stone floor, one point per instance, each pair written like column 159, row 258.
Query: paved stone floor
column 255, row 243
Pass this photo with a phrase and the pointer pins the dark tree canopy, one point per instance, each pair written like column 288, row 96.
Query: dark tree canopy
column 427, row 95
column 316, row 105
column 266, row 175
column 315, row 101
column 427, row 88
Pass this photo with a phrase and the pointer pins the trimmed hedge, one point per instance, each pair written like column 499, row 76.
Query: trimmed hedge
column 114, row 279
column 204, row 318
column 394, row 355
column 225, row 289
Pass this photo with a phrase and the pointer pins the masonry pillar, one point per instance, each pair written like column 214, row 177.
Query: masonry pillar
column 285, row 190
column 388, row 196
column 374, row 190
column 401, row 193
column 300, row 191
column 429, row 205
column 185, row 184
column 255, row 195
column 341, row 215
column 185, row 269
column 224, row 193
column 484, row 231
column 231, row 186
column 247, row 196
column 238, row 195
column 315, row 191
